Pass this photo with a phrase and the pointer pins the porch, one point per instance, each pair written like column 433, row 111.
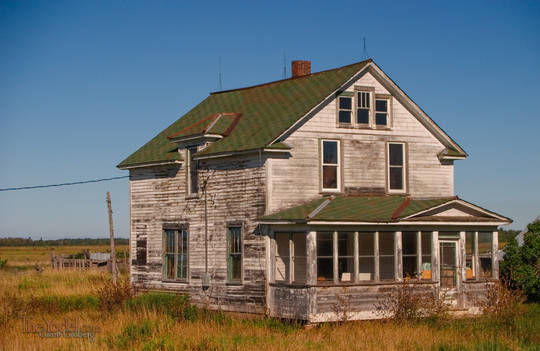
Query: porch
column 327, row 270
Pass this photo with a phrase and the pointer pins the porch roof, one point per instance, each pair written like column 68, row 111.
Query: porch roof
column 380, row 209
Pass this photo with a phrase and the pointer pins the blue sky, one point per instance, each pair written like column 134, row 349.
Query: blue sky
column 84, row 84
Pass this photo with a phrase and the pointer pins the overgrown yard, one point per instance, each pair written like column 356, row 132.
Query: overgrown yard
column 82, row 311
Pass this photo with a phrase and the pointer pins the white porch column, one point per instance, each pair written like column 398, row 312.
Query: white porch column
column 435, row 273
column 290, row 273
column 335, row 256
column 398, row 258
column 311, row 258
column 476, row 261
column 462, row 256
column 272, row 257
column 356, row 258
column 495, row 255
column 419, row 254
column 376, row 252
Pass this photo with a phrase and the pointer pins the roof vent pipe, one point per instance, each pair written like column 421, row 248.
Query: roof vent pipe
column 300, row 68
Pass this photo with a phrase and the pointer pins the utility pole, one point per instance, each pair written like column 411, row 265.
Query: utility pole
column 114, row 270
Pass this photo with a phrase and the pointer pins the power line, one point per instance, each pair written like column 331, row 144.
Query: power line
column 63, row 184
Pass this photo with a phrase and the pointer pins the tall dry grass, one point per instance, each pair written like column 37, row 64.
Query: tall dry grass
column 148, row 324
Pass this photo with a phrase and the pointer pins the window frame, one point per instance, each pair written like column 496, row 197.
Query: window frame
column 339, row 172
column 231, row 280
column 404, row 168
column 177, row 231
column 388, row 99
column 189, row 165
column 338, row 109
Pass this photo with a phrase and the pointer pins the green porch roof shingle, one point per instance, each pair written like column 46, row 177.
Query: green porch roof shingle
column 267, row 111
column 358, row 209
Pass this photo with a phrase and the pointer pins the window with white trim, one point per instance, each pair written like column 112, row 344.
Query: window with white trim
column 330, row 165
column 363, row 107
column 396, row 167
column 382, row 111
column 345, row 109
column 485, row 254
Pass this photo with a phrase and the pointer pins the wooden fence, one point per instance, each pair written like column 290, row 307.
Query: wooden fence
column 60, row 262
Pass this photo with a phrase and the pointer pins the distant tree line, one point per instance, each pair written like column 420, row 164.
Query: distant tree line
column 60, row 242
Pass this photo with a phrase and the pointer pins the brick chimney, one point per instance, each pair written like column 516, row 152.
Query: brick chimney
column 301, row 68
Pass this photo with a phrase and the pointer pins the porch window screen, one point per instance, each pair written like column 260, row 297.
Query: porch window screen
column 234, row 263
column 176, row 254
column 299, row 257
column 386, row 255
column 366, row 256
column 325, row 270
column 470, row 270
column 282, row 257
column 346, row 256
column 426, row 255
column 485, row 253
column 409, row 254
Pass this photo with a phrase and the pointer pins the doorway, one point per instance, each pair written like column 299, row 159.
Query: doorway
column 449, row 269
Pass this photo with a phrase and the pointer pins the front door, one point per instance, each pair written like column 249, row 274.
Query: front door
column 449, row 271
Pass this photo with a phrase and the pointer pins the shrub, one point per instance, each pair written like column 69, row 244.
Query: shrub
column 3, row 263
column 114, row 295
column 405, row 303
column 501, row 301
column 521, row 265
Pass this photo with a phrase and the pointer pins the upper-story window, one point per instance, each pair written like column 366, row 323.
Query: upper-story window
column 330, row 165
column 363, row 107
column 345, row 109
column 192, row 172
column 396, row 167
column 381, row 112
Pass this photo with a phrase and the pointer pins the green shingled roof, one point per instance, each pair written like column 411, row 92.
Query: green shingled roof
column 266, row 110
column 357, row 209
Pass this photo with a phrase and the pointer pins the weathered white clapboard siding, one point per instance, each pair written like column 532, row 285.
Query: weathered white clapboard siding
column 236, row 193
column 364, row 156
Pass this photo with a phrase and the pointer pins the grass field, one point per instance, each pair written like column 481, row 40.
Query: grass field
column 66, row 300
column 28, row 256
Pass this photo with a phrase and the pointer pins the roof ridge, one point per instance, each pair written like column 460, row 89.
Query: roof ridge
column 401, row 208
column 288, row 79
column 319, row 208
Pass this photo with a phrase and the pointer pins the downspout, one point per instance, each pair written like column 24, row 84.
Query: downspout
column 206, row 276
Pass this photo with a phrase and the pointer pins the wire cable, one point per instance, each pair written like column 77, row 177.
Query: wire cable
column 63, row 184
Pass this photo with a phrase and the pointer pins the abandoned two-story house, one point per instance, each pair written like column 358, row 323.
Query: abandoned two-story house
column 283, row 197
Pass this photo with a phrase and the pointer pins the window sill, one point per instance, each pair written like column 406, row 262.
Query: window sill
column 234, row 283
column 191, row 197
column 350, row 284
column 330, row 192
column 382, row 128
column 175, row 281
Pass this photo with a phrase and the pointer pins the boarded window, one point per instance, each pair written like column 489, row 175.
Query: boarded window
column 345, row 256
column 325, row 254
column 485, row 254
column 141, row 252
column 386, row 255
column 409, row 253
column 426, row 255
column 175, row 260
column 366, row 256
column 193, row 172
column 234, row 237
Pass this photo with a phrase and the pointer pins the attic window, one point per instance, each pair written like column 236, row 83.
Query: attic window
column 345, row 109
column 396, row 167
column 382, row 110
column 363, row 102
